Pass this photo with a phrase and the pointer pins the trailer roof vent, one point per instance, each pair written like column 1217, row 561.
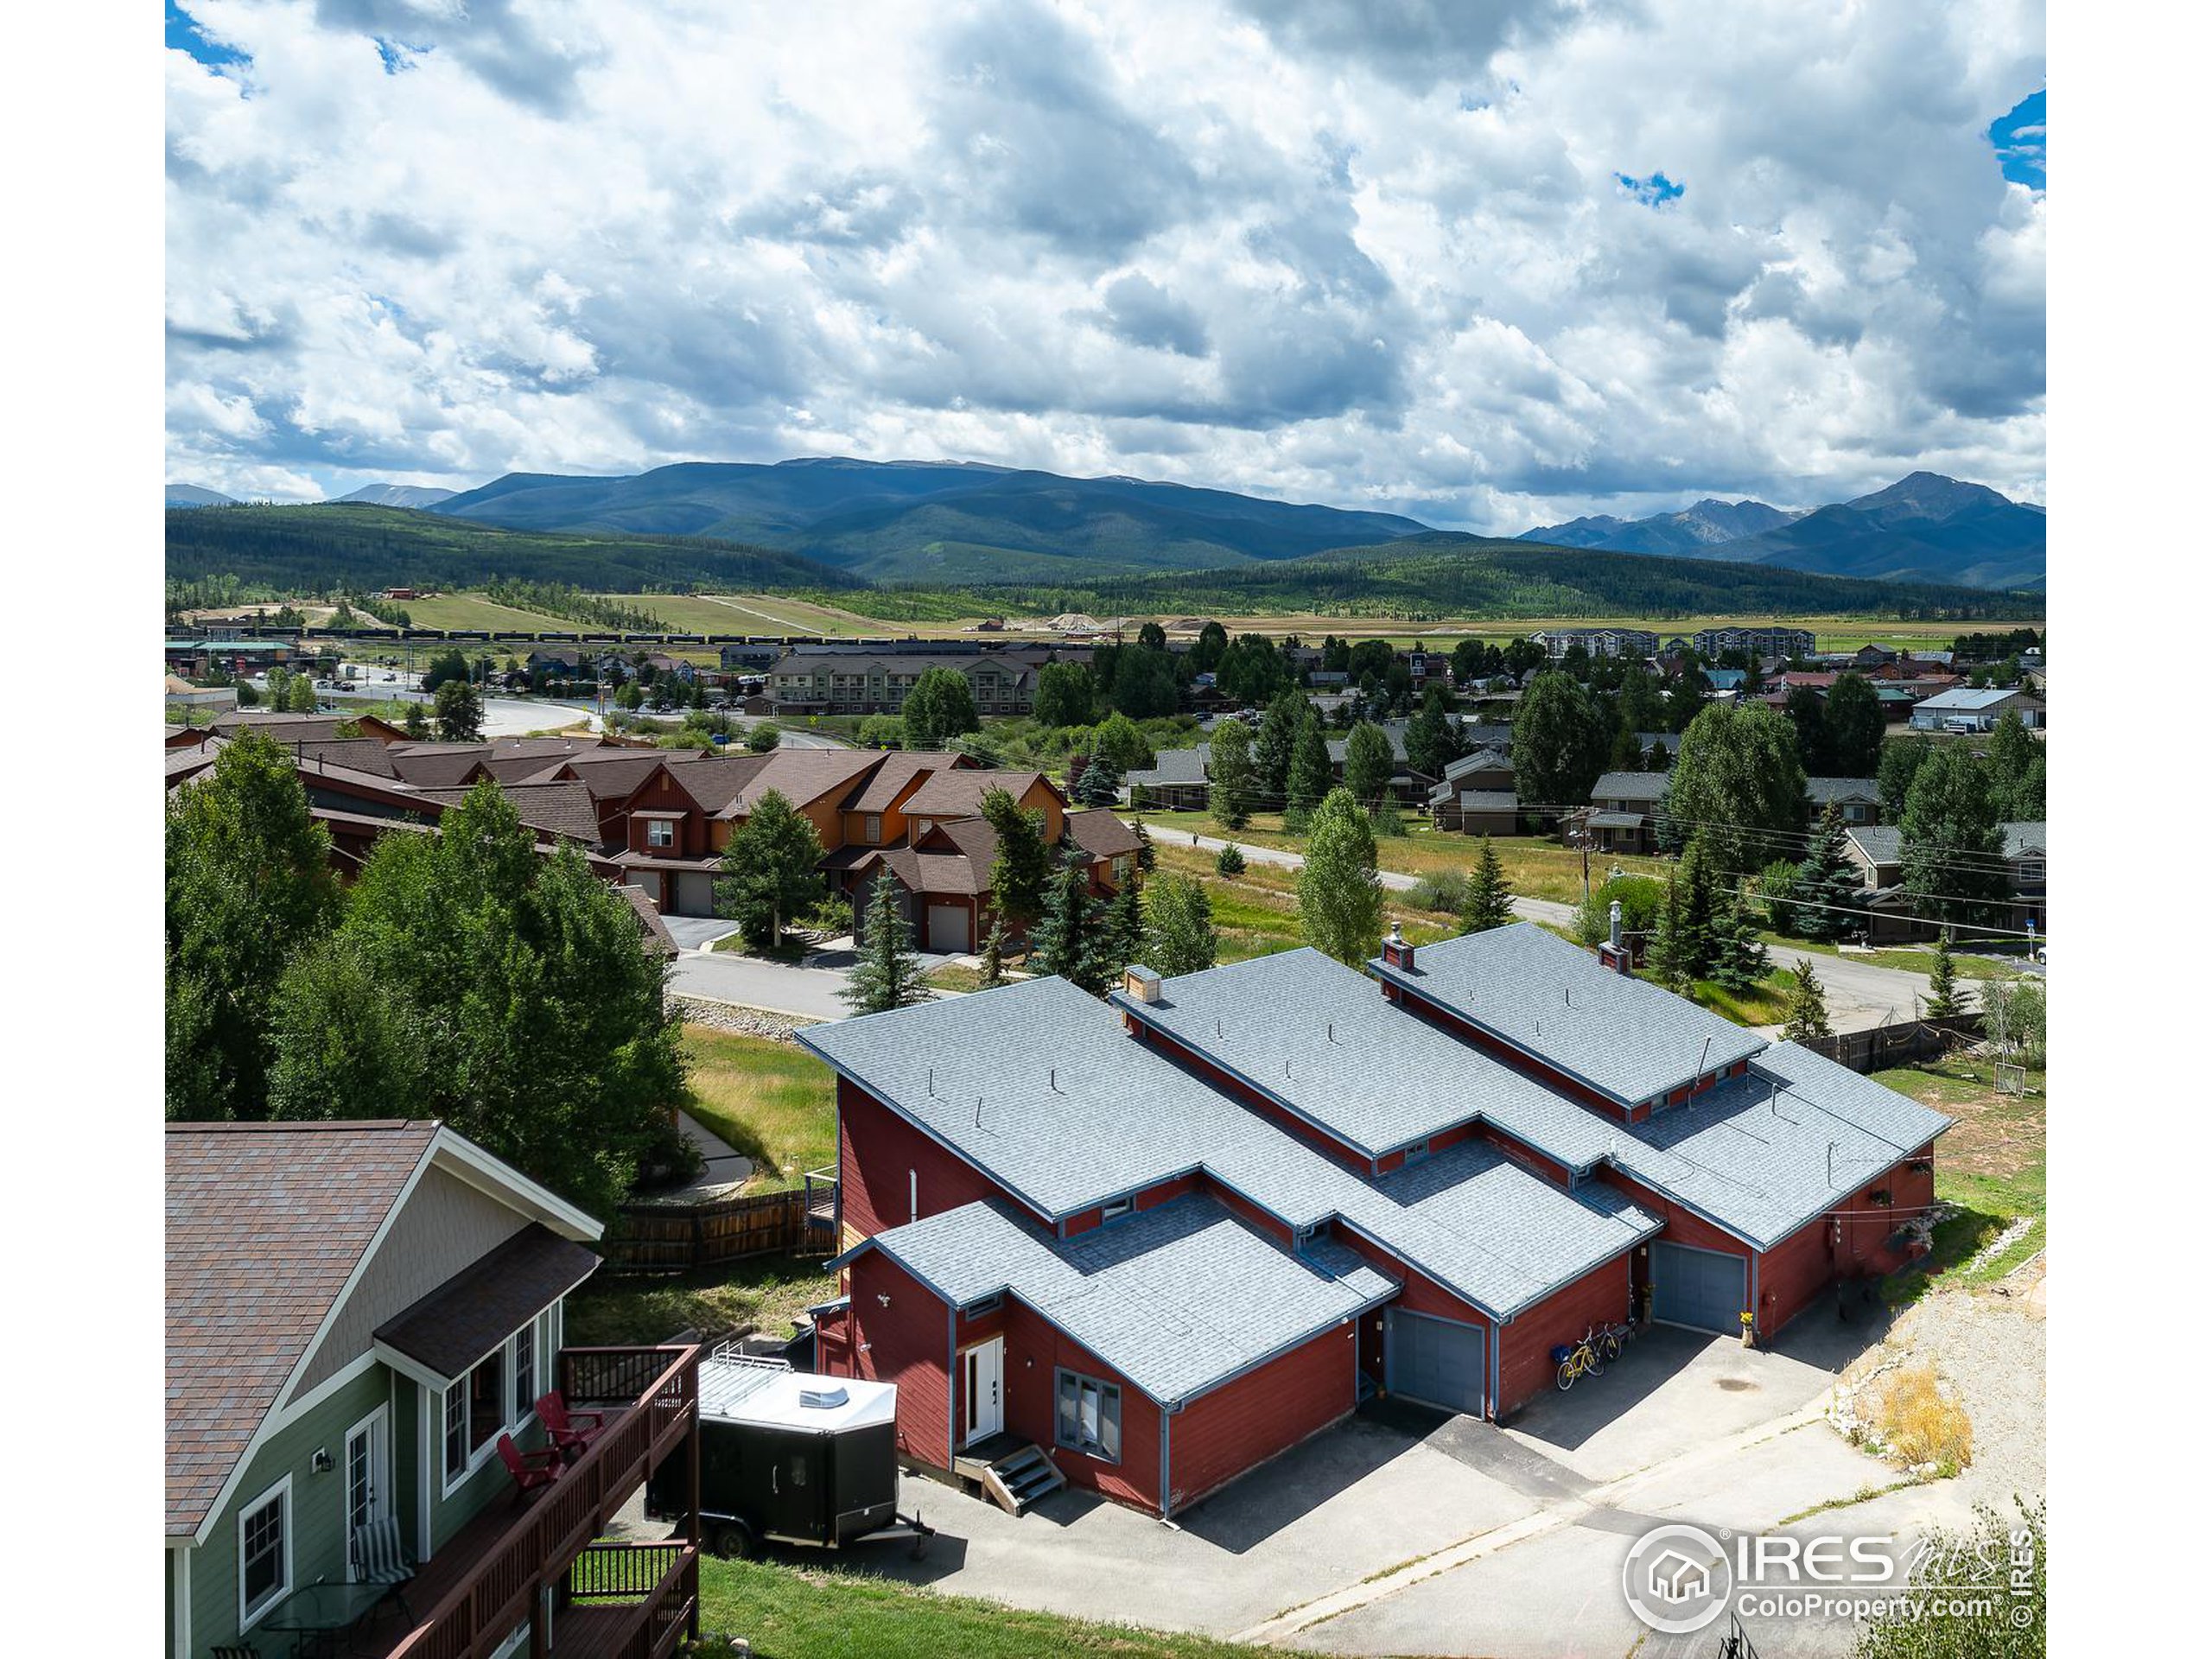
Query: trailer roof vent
column 822, row 1399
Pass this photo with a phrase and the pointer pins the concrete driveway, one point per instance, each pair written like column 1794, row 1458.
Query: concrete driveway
column 810, row 989
column 695, row 932
column 1409, row 1531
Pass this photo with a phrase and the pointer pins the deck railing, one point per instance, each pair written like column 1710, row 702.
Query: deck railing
column 661, row 1385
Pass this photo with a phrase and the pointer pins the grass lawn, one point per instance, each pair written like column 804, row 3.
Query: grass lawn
column 790, row 1613
column 1766, row 1004
column 773, row 1102
column 1911, row 958
column 762, row 1292
column 1256, row 914
column 1536, row 866
column 1991, row 1165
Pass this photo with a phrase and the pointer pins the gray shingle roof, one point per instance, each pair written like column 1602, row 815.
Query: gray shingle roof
column 1171, row 766
column 1144, row 1294
column 1037, row 1084
column 1880, row 843
column 1488, row 800
column 1631, row 787
column 1624, row 1038
column 2023, row 840
column 1820, row 791
column 1479, row 761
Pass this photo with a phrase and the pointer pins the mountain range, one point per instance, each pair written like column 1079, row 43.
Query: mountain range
column 1922, row 528
column 191, row 495
column 952, row 523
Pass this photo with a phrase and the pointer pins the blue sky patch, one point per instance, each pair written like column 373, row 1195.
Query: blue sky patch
column 182, row 33
column 2019, row 135
column 397, row 55
column 1653, row 190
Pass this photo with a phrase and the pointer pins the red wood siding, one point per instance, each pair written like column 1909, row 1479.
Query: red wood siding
column 1150, row 1197
column 1221, row 1435
column 1524, row 1359
column 876, row 1149
column 1034, row 1350
column 905, row 1344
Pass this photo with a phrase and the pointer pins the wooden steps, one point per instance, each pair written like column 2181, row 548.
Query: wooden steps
column 1020, row 1478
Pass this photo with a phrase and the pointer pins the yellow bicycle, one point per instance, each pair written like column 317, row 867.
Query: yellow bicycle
column 1578, row 1359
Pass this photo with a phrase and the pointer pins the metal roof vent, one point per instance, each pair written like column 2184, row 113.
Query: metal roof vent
column 822, row 1399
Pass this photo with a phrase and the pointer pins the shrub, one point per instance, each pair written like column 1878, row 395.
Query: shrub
column 1229, row 860
column 1920, row 1423
column 1640, row 897
column 1386, row 820
column 1777, row 885
column 1443, row 893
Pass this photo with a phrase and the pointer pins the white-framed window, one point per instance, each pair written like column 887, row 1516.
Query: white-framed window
column 1116, row 1210
column 660, row 832
column 872, row 828
column 1089, row 1418
column 522, row 1366
column 264, row 1552
column 474, row 1415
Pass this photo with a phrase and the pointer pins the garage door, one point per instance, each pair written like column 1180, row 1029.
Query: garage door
column 1438, row 1362
column 695, row 893
column 948, row 927
column 1700, row 1288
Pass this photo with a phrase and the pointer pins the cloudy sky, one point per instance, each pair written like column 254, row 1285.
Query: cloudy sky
column 1488, row 264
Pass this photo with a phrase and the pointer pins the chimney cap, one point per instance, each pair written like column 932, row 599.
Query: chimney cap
column 1141, row 982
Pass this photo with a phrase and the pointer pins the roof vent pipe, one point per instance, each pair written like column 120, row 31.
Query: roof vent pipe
column 1614, row 921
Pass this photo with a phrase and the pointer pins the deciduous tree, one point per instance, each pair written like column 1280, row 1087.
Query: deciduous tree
column 1063, row 695
column 1231, row 778
column 1339, row 899
column 1955, row 868
column 940, row 707
column 1852, row 726
column 1738, row 782
column 1179, row 935
column 771, row 871
column 1560, row 743
column 1369, row 762
column 1022, row 864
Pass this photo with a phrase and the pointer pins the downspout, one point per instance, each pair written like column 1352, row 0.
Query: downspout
column 1497, row 1365
column 951, row 1385
column 1167, row 1507
column 1754, row 1291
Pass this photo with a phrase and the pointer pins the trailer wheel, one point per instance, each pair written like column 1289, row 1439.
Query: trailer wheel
column 735, row 1541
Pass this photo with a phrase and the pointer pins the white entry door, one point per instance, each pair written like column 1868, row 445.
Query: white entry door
column 368, row 1475
column 983, row 1382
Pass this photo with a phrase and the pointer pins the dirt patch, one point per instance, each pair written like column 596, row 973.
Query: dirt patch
column 1736, row 1384
column 1998, row 1136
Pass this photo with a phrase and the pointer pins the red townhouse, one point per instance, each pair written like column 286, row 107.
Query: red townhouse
column 1153, row 1244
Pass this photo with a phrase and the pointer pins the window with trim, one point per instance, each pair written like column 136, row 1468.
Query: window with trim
column 1116, row 1210
column 872, row 829
column 264, row 1552
column 524, row 1371
column 1089, row 1416
column 660, row 832
column 473, row 1416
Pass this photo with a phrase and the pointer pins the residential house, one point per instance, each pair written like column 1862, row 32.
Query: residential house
column 1477, row 796
column 856, row 682
column 307, row 728
column 359, row 1315
column 1878, row 851
column 1407, row 786
column 1623, row 815
column 1166, row 1240
column 1963, row 708
column 1639, row 644
column 1857, row 800
column 1174, row 782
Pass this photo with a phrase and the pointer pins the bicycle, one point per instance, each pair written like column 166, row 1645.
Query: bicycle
column 1578, row 1359
column 1613, row 1339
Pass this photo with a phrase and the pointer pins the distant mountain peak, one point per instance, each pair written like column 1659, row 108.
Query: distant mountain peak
column 398, row 495
column 191, row 495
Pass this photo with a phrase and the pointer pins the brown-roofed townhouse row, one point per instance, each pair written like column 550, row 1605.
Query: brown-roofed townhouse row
column 356, row 1314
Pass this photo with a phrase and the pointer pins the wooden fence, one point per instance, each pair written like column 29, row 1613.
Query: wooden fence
column 680, row 1238
column 1898, row 1043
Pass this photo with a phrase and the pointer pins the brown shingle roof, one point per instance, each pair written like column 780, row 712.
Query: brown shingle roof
column 354, row 753
column 960, row 794
column 1101, row 835
column 266, row 1222
column 899, row 769
column 613, row 777
column 558, row 808
column 714, row 781
column 439, row 765
column 801, row 776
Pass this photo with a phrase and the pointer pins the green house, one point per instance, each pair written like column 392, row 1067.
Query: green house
column 361, row 1320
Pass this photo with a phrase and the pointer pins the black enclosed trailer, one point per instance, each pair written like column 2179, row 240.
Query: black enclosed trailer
column 791, row 1456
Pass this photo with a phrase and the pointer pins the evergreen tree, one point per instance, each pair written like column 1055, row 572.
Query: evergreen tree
column 1369, row 762
column 1851, row 727
column 417, row 723
column 1339, row 899
column 1944, row 1000
column 1022, row 864
column 1699, row 909
column 1100, row 784
column 1068, row 936
column 1121, row 931
column 1829, row 886
column 1660, row 759
column 770, row 872
column 1148, row 854
column 459, row 713
column 1807, row 712
column 1271, row 752
column 1231, row 778
column 1805, row 1015
column 1489, row 902
column 1432, row 736
column 1229, row 860
column 1310, row 772
column 888, row 975
column 1179, row 935
column 994, row 942
column 1668, row 958
column 1739, row 955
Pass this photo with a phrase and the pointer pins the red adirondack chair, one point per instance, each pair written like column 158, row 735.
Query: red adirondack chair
column 572, row 1431
column 531, row 1469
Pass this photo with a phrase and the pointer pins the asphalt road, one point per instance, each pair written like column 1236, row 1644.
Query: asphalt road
column 1860, row 993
